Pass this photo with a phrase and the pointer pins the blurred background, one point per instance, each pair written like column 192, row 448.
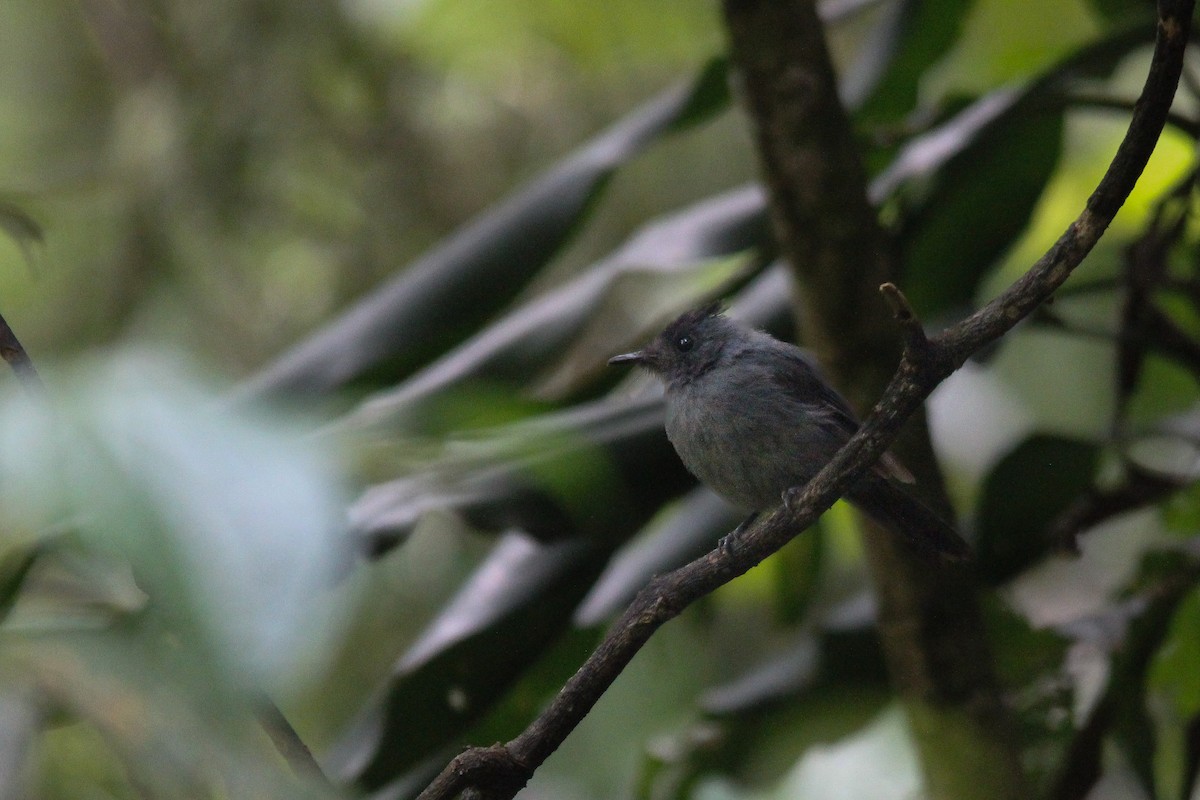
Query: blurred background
column 336, row 279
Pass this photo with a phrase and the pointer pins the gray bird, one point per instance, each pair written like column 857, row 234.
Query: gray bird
column 751, row 417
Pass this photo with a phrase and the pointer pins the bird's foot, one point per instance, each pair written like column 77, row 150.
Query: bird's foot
column 728, row 543
column 790, row 497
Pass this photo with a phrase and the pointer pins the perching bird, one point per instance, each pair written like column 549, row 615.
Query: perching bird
column 752, row 417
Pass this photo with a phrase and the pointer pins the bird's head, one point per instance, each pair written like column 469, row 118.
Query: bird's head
column 687, row 348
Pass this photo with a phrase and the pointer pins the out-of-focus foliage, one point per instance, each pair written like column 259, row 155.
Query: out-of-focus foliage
column 433, row 221
column 174, row 562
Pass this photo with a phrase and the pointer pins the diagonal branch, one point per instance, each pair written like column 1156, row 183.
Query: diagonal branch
column 501, row 770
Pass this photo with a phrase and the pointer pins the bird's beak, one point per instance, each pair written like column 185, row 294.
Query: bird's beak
column 635, row 357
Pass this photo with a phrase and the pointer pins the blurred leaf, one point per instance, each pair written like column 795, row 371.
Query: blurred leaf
column 446, row 293
column 912, row 36
column 688, row 532
column 15, row 564
column 840, row 647
column 229, row 523
column 797, row 569
column 1123, row 12
column 923, row 156
column 877, row 763
column 20, row 722
column 668, row 252
column 783, row 675
column 513, row 607
column 24, row 230
column 1023, row 654
column 599, row 470
column 83, row 586
column 153, row 703
column 1031, row 664
column 1173, row 672
column 1022, row 495
column 1122, row 712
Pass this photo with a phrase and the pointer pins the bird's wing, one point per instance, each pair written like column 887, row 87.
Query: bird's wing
column 798, row 375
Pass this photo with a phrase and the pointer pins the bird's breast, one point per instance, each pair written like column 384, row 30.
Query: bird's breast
column 746, row 450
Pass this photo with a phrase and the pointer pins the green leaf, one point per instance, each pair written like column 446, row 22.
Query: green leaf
column 1025, row 491
column 912, row 37
column 1173, row 672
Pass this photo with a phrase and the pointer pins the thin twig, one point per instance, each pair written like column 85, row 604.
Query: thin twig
column 501, row 770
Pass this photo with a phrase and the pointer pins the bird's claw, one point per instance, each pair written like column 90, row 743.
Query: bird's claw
column 728, row 543
column 790, row 496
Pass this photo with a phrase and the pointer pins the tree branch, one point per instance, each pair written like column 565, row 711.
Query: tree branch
column 501, row 770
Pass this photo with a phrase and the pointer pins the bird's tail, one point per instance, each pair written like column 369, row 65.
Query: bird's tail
column 924, row 529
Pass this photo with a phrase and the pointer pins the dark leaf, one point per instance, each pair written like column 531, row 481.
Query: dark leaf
column 600, row 470
column 524, row 340
column 912, row 36
column 781, row 676
column 1124, row 12
column 15, row 566
column 1023, row 494
column 22, row 229
column 514, row 606
column 982, row 201
column 691, row 531
column 438, row 299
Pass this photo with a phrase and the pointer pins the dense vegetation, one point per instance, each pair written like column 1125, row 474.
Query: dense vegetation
column 324, row 453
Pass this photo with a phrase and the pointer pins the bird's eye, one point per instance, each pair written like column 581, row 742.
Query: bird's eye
column 684, row 343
